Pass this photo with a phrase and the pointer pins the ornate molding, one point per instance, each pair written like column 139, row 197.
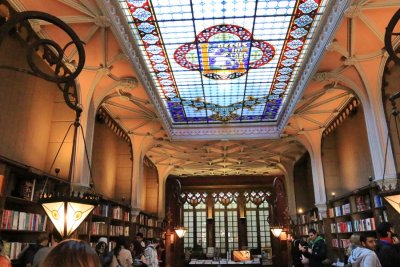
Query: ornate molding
column 331, row 22
column 221, row 132
column 122, row 32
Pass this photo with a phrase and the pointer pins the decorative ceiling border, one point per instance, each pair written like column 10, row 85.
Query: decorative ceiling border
column 120, row 27
column 330, row 23
column 123, row 34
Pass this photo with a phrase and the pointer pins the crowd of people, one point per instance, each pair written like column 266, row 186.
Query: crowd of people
column 50, row 250
column 365, row 250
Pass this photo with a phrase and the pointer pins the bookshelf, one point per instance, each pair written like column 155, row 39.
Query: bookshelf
column 357, row 212
column 148, row 225
column 22, row 219
column 310, row 219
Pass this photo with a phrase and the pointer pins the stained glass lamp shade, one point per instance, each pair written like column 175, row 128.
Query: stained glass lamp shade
column 394, row 201
column 180, row 231
column 276, row 230
column 67, row 213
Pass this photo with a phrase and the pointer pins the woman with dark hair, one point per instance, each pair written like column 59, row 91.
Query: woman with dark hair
column 72, row 252
column 122, row 255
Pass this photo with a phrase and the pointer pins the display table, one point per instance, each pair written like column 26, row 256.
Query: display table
column 224, row 262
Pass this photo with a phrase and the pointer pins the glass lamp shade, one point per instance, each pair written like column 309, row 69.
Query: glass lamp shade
column 180, row 231
column 394, row 201
column 67, row 213
column 276, row 231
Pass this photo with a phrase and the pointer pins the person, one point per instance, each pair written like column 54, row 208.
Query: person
column 41, row 254
column 388, row 246
column 122, row 255
column 354, row 242
column 316, row 252
column 303, row 246
column 295, row 252
column 105, row 256
column 26, row 256
column 72, row 252
column 150, row 253
column 139, row 245
column 4, row 260
column 363, row 255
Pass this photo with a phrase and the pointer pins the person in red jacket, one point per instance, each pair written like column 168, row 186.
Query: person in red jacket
column 4, row 260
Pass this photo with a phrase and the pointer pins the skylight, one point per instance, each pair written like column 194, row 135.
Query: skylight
column 227, row 61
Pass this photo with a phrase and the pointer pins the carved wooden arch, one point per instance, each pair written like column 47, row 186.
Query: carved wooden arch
column 280, row 206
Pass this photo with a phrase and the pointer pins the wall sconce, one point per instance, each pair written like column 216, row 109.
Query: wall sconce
column 276, row 230
column 180, row 231
column 172, row 238
column 300, row 211
column 283, row 236
column 333, row 194
column 242, row 214
column 209, row 213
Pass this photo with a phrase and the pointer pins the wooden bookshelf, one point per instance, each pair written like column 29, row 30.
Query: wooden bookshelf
column 359, row 211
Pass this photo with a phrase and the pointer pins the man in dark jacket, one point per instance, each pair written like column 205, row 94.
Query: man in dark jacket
column 388, row 246
column 295, row 251
column 316, row 253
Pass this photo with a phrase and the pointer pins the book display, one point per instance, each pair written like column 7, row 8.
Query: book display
column 22, row 218
column 357, row 212
column 310, row 219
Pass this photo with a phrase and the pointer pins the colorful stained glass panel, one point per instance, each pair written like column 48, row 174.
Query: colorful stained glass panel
column 223, row 61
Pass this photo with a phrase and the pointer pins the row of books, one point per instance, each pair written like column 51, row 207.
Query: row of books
column 362, row 203
column 339, row 210
column 378, row 201
column 13, row 249
column 382, row 217
column 18, row 220
column 340, row 243
column 119, row 213
column 367, row 224
column 101, row 210
column 117, row 230
column 341, row 227
column 99, row 228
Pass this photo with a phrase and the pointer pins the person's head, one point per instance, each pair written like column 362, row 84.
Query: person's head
column 303, row 244
column 355, row 240
column 72, row 252
column 385, row 229
column 101, row 247
column 139, row 237
column 43, row 239
column 312, row 234
column 155, row 242
column 122, row 242
column 368, row 241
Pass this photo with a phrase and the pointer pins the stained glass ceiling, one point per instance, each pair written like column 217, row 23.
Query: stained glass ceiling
column 215, row 62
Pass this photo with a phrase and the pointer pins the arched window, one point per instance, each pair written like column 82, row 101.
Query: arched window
column 226, row 221
column 257, row 213
column 194, row 219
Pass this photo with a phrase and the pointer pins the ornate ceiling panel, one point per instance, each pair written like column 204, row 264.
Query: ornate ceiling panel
column 214, row 62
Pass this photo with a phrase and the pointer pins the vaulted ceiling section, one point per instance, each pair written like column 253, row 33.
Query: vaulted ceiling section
column 219, row 115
